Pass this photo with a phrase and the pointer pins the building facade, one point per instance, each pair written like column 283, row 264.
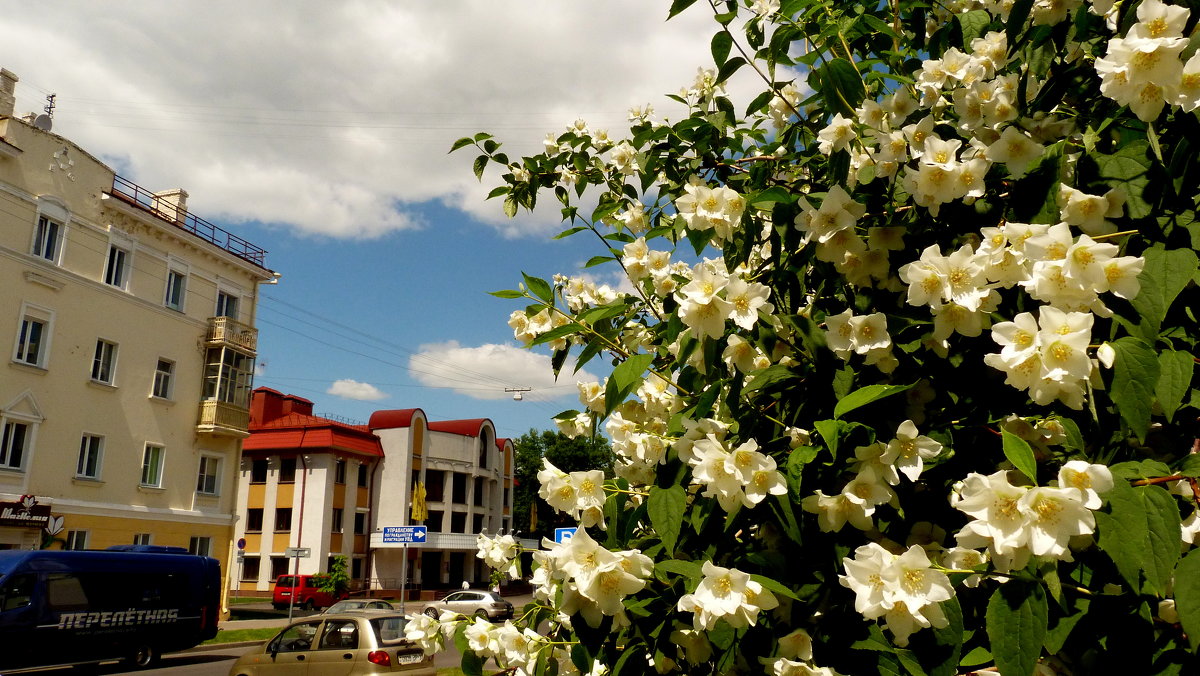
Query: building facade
column 130, row 329
column 332, row 488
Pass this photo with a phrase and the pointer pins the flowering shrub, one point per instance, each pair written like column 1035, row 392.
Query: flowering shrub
column 904, row 356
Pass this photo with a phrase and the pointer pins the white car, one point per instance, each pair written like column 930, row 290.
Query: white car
column 476, row 602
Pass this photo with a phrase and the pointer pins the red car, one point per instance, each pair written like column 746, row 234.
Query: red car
column 302, row 591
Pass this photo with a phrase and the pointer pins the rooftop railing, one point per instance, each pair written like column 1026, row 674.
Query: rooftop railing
column 142, row 198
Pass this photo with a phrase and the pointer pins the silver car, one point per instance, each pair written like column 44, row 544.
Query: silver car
column 349, row 605
column 347, row 644
column 477, row 602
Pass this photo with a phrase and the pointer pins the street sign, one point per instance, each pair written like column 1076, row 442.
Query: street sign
column 406, row 534
column 298, row 552
column 563, row 534
column 241, row 543
column 241, row 558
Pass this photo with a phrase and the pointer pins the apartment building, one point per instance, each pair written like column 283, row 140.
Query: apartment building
column 129, row 323
column 331, row 487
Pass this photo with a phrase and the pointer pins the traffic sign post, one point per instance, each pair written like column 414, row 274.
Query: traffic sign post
column 295, row 553
column 561, row 535
column 405, row 536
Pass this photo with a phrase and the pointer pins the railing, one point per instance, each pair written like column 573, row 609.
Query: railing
column 216, row 416
column 135, row 195
column 231, row 332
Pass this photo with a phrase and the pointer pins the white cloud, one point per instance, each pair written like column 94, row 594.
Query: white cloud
column 485, row 371
column 352, row 389
column 335, row 117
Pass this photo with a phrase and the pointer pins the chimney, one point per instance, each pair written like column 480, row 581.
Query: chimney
column 8, row 92
column 265, row 405
column 171, row 203
column 294, row 404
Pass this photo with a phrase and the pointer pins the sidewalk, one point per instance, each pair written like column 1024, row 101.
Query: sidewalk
column 281, row 621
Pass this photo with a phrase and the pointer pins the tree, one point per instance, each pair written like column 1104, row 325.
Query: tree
column 906, row 379
column 336, row 581
column 569, row 454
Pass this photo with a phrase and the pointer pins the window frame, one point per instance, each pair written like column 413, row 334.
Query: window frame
column 202, row 475
column 41, row 235
column 282, row 520
column 195, row 542
column 118, row 264
column 90, row 461
column 76, row 540
column 339, row 471
column 251, row 523
column 104, row 362
column 157, row 466
column 227, row 297
column 287, row 471
column 8, row 423
column 33, row 314
column 176, row 289
column 163, row 386
column 143, row 538
column 337, row 520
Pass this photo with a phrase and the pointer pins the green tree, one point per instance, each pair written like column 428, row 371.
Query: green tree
column 904, row 380
column 336, row 580
column 566, row 453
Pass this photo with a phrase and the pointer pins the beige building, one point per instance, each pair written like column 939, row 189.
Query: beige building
column 129, row 328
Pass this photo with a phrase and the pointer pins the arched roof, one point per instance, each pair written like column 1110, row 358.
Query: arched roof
column 466, row 428
column 383, row 420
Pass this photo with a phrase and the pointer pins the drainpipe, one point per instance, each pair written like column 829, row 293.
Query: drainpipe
column 370, row 560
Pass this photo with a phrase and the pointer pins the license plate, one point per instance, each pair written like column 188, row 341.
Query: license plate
column 409, row 658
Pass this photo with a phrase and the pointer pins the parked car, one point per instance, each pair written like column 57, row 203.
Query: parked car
column 477, row 602
column 348, row 605
column 348, row 644
column 303, row 591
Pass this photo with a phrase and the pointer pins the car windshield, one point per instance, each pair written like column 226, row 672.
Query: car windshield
column 286, row 581
column 389, row 630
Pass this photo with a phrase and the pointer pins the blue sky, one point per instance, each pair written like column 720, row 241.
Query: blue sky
column 319, row 131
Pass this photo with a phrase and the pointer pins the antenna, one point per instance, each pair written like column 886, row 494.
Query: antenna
column 49, row 108
column 45, row 122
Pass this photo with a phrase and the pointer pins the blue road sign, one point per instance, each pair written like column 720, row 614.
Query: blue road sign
column 563, row 534
column 415, row 534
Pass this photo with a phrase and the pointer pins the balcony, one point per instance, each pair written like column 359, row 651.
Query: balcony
column 223, row 419
column 226, row 331
column 135, row 196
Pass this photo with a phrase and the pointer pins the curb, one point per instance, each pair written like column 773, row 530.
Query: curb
column 219, row 646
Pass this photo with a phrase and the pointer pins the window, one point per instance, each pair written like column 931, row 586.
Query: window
column 362, row 475
column 152, row 464
column 77, row 539
column 356, row 568
column 207, row 479
column 91, row 447
column 283, row 519
column 142, row 538
column 435, row 485
column 335, row 520
column 287, row 470
column 228, row 375
column 434, row 520
column 227, row 305
column 258, row 471
column 104, row 362
column 459, row 483
column 458, row 522
column 176, row 289
column 254, row 520
column 279, row 566
column 478, row 497
column 360, row 523
column 116, row 271
column 14, row 444
column 250, row 567
column 477, row 523
column 33, row 337
column 164, row 373
column 200, row 545
column 47, row 239
column 339, row 471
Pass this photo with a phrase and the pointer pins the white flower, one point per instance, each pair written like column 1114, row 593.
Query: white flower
column 728, row 594
column 746, row 299
column 425, row 631
column 904, row 590
column 1088, row 479
column 796, row 645
column 910, row 450
column 835, row 511
column 1054, row 515
column 837, row 136
column 1015, row 149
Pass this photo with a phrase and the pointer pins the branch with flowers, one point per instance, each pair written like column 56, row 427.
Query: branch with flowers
column 904, row 368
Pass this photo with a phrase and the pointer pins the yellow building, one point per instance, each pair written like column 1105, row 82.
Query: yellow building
column 129, row 323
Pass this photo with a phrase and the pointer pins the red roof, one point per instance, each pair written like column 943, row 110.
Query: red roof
column 386, row 420
column 296, row 431
column 466, row 428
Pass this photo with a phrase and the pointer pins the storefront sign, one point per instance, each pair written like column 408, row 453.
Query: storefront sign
column 26, row 513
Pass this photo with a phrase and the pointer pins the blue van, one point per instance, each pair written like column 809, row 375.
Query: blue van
column 78, row 607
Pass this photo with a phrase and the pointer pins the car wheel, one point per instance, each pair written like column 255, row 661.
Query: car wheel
column 310, row 605
column 432, row 612
column 483, row 614
column 142, row 657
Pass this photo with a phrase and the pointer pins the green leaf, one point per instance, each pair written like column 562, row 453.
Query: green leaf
column 1129, row 169
column 1017, row 616
column 950, row 636
column 625, row 378
column 539, row 288
column 666, row 506
column 773, row 195
column 1019, row 453
column 1017, row 16
column 1187, row 596
column 842, row 87
column 769, row 376
column 472, row 664
column 1140, row 532
column 775, row 587
column 729, row 68
column 1074, row 438
column 678, row 6
column 866, row 395
column 510, row 206
column 1174, row 380
column 974, row 24
column 831, row 432
column 689, row 569
column 462, row 142
column 721, row 43
column 1057, row 635
column 1135, row 376
column 507, row 293
column 479, row 166
column 598, row 260
column 1163, row 277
